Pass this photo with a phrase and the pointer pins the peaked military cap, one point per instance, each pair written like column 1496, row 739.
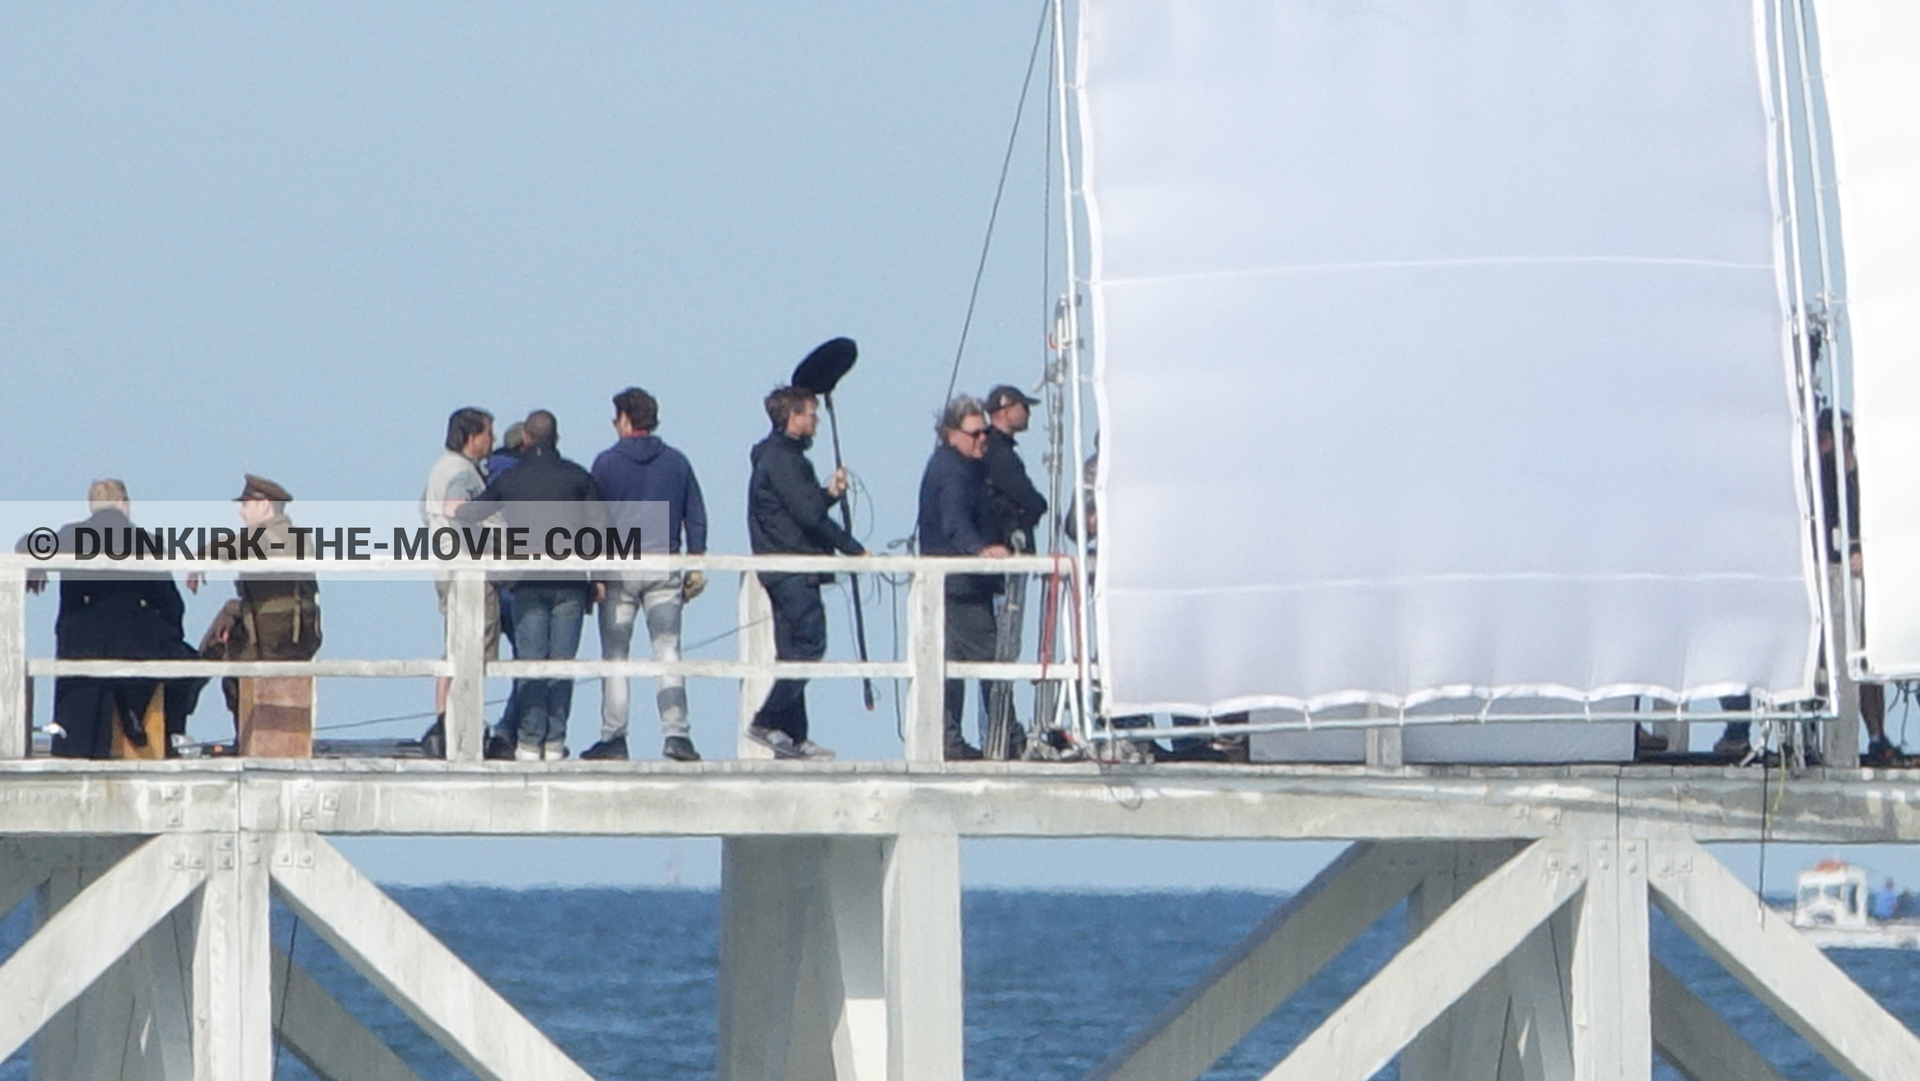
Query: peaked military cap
column 262, row 488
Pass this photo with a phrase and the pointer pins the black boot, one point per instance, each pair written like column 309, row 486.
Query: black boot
column 434, row 743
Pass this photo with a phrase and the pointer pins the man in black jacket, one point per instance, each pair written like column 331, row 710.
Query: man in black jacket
column 1017, row 507
column 543, row 494
column 115, row 615
column 956, row 519
column 787, row 514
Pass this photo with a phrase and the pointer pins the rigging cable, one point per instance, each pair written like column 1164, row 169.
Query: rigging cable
column 286, row 984
column 1000, row 189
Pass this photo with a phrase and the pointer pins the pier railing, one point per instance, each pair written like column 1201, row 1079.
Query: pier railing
column 923, row 667
column 920, row 666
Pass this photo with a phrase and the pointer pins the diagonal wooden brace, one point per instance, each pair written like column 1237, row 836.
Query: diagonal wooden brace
column 1442, row 964
column 422, row 976
column 1273, row 962
column 323, row 1035
column 93, row 931
column 1696, row 1041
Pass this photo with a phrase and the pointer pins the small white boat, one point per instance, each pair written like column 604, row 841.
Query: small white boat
column 1833, row 906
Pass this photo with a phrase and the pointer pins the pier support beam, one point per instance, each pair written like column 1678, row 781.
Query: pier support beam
column 424, row 978
column 98, row 962
column 1448, row 959
column 840, row 959
column 323, row 1035
column 926, row 1029
column 1539, row 1045
column 1465, row 1043
column 1612, row 1030
column 232, row 974
column 1286, row 950
column 1695, row 1041
column 802, row 979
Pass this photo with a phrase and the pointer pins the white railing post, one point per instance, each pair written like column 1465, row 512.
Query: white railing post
column 16, row 725
column 756, row 647
column 467, row 655
column 927, row 653
column 1384, row 748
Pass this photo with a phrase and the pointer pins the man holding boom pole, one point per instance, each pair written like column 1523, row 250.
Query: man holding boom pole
column 788, row 514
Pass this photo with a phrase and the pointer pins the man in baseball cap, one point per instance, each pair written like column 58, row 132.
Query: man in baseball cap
column 1017, row 508
column 1017, row 505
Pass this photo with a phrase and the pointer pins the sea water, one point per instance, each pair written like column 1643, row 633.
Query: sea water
column 625, row 980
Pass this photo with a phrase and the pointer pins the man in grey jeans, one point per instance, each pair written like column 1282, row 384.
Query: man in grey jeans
column 639, row 468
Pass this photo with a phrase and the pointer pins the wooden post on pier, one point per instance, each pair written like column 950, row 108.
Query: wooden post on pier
column 927, row 652
column 756, row 647
column 16, row 722
column 467, row 654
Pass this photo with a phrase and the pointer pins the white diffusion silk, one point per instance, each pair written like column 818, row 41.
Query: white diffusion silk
column 1440, row 353
column 1870, row 57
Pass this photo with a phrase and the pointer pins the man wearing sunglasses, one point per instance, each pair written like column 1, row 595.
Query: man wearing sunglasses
column 957, row 519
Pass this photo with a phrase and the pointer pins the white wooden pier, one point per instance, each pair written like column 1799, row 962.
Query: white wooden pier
column 1529, row 891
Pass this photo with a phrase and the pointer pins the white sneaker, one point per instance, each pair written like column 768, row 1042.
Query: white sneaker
column 555, row 751
column 812, row 751
column 526, row 753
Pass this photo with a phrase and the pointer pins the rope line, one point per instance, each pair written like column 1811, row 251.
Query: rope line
column 1000, row 189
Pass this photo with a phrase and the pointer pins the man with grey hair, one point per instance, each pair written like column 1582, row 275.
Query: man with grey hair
column 117, row 615
column 957, row 519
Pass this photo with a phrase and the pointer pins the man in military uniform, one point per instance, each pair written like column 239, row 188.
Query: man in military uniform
column 275, row 617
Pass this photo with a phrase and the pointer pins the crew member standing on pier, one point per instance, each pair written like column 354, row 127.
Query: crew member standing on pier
column 456, row 475
column 1017, row 504
column 274, row 617
column 1017, row 509
column 787, row 514
column 642, row 469
column 956, row 519
column 542, row 494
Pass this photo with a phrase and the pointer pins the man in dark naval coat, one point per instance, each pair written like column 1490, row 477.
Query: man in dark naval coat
column 114, row 615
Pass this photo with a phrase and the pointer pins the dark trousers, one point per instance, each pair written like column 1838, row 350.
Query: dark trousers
column 548, row 625
column 799, row 634
column 88, row 711
column 972, row 635
column 509, row 727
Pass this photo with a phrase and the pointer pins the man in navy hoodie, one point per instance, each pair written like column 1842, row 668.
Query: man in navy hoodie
column 639, row 468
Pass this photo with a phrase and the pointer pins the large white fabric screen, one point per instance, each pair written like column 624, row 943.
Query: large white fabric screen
column 1439, row 350
column 1870, row 55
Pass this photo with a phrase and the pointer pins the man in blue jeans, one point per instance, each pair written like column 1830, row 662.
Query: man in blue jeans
column 547, row 619
column 544, row 493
